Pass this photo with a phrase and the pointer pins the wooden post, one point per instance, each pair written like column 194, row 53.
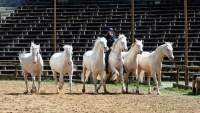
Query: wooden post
column 132, row 20
column 186, row 42
column 54, row 26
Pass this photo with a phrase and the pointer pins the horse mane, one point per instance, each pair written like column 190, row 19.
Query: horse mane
column 34, row 45
column 96, row 44
column 162, row 46
column 119, row 38
column 67, row 46
column 132, row 46
column 68, row 49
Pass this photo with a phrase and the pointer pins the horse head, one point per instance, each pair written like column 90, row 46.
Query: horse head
column 68, row 50
column 103, row 42
column 139, row 46
column 35, row 50
column 122, row 41
column 168, row 50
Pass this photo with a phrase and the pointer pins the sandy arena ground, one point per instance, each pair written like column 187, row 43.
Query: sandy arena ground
column 13, row 100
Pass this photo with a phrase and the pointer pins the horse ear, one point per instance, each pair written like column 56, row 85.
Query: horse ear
column 136, row 40
column 32, row 43
column 171, row 43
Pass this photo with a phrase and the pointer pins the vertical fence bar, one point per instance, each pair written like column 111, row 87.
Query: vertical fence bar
column 186, row 42
column 132, row 20
column 54, row 26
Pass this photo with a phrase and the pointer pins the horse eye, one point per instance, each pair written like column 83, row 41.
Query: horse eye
column 168, row 50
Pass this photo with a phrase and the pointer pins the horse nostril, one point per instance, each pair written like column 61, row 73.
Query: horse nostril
column 171, row 58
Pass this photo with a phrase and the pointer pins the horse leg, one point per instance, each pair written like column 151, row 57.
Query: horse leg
column 126, row 80
column 83, row 77
column 115, row 73
column 148, row 81
column 122, row 80
column 70, row 83
column 101, row 82
column 156, row 83
column 61, row 82
column 159, row 78
column 95, row 82
column 105, row 78
column 39, row 81
column 137, row 81
column 55, row 79
column 33, row 90
column 26, row 83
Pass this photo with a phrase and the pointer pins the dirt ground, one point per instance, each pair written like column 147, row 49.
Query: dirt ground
column 13, row 100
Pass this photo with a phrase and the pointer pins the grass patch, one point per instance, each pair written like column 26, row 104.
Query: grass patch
column 164, row 91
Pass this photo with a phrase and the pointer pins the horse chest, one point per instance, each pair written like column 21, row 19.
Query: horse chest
column 66, row 66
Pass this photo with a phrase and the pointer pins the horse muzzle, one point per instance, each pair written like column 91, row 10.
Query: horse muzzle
column 171, row 58
column 126, row 49
column 140, row 52
column 106, row 49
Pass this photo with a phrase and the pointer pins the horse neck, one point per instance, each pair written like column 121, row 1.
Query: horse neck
column 99, row 52
column 38, row 57
column 158, row 54
column 132, row 54
column 116, row 48
column 66, row 57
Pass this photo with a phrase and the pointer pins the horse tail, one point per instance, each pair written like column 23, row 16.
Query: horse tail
column 20, row 55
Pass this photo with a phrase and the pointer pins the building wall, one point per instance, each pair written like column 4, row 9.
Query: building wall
column 11, row 3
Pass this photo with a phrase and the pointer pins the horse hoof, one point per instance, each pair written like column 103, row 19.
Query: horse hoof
column 137, row 92
column 33, row 91
column 26, row 92
column 123, row 92
column 96, row 93
column 127, row 91
column 62, row 93
column 106, row 92
column 57, row 91
column 83, row 90
column 158, row 93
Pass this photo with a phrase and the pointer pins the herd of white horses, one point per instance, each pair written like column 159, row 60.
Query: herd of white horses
column 121, row 64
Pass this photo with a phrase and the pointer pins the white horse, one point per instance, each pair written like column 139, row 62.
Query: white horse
column 62, row 63
column 32, row 63
column 131, row 61
column 115, row 59
column 151, row 63
column 93, row 61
